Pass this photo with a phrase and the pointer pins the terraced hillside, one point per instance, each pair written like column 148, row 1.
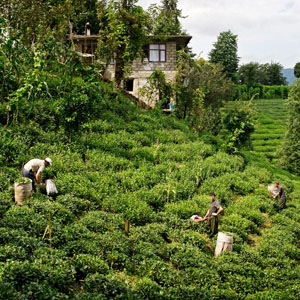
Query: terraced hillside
column 154, row 171
column 270, row 129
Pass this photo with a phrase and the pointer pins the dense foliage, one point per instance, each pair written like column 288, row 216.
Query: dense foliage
column 225, row 53
column 113, row 162
column 238, row 124
column 297, row 70
column 33, row 20
column 244, row 92
column 122, row 35
column 201, row 90
column 125, row 173
column 254, row 74
column 290, row 152
column 157, row 90
column 165, row 18
column 124, row 163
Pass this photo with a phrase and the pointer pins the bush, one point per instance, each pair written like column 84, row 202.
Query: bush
column 238, row 225
column 243, row 92
column 86, row 264
column 219, row 164
column 136, row 211
column 101, row 222
column 183, row 209
column 108, row 286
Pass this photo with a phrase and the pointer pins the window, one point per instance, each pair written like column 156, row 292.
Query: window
column 157, row 52
column 89, row 48
column 129, row 85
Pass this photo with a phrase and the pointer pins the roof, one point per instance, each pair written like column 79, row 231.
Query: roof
column 179, row 39
column 83, row 37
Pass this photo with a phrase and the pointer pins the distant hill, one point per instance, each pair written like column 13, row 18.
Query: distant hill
column 289, row 75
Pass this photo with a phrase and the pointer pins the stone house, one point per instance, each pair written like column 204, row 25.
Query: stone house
column 159, row 55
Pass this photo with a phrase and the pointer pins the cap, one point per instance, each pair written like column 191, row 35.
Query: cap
column 49, row 160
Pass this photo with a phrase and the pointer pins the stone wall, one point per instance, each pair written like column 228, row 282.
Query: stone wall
column 142, row 69
column 141, row 65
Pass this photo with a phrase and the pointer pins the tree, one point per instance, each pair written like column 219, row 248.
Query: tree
column 290, row 150
column 263, row 74
column 275, row 74
column 33, row 19
column 157, row 89
column 201, row 90
column 165, row 18
column 238, row 124
column 253, row 74
column 88, row 13
column 122, row 35
column 249, row 74
column 297, row 70
column 224, row 53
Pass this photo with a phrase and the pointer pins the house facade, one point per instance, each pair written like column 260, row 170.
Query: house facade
column 159, row 55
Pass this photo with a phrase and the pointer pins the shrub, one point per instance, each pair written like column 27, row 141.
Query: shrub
column 75, row 205
column 108, row 286
column 189, row 237
column 238, row 225
column 136, row 211
column 12, row 252
column 101, row 222
column 86, row 264
column 145, row 288
column 219, row 164
column 24, row 218
column 182, row 209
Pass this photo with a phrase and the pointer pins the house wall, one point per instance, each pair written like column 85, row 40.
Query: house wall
column 142, row 69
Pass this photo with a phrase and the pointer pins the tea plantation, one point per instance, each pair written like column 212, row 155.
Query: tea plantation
column 271, row 126
column 154, row 171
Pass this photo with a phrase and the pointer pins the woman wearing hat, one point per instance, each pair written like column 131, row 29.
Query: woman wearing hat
column 34, row 168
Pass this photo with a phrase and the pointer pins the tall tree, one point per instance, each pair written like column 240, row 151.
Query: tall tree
column 122, row 34
column 275, row 74
column 201, row 90
column 297, row 70
column 290, row 151
column 88, row 13
column 166, row 18
column 267, row 74
column 225, row 53
column 33, row 19
column 249, row 74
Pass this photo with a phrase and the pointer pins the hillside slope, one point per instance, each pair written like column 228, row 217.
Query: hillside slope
column 270, row 128
column 154, row 171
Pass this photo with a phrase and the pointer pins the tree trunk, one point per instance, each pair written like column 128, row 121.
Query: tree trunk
column 119, row 66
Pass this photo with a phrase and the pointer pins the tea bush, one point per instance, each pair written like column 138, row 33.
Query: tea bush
column 114, row 162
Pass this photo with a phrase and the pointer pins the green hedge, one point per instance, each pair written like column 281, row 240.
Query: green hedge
column 244, row 92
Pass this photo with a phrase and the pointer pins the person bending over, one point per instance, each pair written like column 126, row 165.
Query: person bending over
column 34, row 168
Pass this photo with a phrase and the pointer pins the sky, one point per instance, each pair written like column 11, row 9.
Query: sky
column 268, row 30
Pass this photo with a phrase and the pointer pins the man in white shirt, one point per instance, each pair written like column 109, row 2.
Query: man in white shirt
column 34, row 168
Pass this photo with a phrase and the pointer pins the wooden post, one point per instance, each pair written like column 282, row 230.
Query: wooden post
column 126, row 227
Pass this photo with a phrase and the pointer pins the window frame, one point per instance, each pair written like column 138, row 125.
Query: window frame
column 159, row 50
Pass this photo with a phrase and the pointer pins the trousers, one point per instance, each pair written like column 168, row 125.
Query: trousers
column 30, row 175
column 213, row 224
